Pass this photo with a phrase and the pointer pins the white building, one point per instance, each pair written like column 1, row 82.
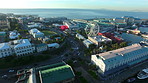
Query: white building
column 41, row 47
column 79, row 36
column 71, row 25
column 119, row 20
column 113, row 61
column 99, row 40
column 18, row 47
column 14, row 34
column 53, row 45
column 5, row 50
column 129, row 19
column 22, row 47
column 34, row 25
column 36, row 33
column 87, row 43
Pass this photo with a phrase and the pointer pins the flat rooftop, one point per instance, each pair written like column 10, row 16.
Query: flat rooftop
column 121, row 51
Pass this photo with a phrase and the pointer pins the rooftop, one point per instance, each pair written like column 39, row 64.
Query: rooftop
column 56, row 73
column 4, row 46
column 101, row 38
column 121, row 51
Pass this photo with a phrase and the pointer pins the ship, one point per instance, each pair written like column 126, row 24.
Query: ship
column 143, row 74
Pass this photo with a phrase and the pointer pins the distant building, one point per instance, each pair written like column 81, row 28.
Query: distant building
column 71, row 25
column 36, row 33
column 4, row 23
column 119, row 20
column 129, row 20
column 54, row 73
column 113, row 37
column 121, row 25
column 14, row 34
column 87, row 43
column 137, row 20
column 53, row 45
column 54, row 19
column 99, row 40
column 97, row 27
column 41, row 47
column 143, row 29
column 35, row 25
column 112, row 62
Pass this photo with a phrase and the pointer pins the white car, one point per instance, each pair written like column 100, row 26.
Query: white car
column 11, row 71
column 4, row 76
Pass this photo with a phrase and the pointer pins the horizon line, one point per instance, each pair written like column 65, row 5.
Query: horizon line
column 82, row 9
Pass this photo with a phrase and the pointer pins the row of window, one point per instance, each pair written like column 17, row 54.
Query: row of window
column 23, row 47
column 23, row 51
column 5, row 50
column 126, row 61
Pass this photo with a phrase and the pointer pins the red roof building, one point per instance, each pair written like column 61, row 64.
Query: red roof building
column 63, row 27
column 111, row 36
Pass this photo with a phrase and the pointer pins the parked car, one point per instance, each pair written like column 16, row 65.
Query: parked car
column 11, row 71
column 4, row 76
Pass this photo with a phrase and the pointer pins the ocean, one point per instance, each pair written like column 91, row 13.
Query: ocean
column 76, row 13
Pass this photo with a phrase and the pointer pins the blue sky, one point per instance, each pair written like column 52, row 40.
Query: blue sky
column 123, row 5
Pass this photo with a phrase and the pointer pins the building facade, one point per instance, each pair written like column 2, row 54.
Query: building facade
column 111, row 62
column 5, row 50
column 19, row 47
column 41, row 47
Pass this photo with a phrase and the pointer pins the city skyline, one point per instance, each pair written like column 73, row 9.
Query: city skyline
column 122, row 5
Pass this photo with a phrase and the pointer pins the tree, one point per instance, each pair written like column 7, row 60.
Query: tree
column 123, row 44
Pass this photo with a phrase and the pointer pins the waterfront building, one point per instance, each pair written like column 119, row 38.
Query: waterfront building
column 121, row 25
column 137, row 20
column 119, row 20
column 53, row 20
column 71, row 25
column 99, row 40
column 112, row 62
column 129, row 19
column 97, row 27
column 36, row 33
column 41, row 47
column 54, row 73
column 143, row 29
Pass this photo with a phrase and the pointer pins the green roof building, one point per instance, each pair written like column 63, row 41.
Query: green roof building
column 55, row 73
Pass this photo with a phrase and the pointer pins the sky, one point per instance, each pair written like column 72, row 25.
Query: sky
column 122, row 5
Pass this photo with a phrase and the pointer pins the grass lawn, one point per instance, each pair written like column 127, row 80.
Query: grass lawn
column 49, row 33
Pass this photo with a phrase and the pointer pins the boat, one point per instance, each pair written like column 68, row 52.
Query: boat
column 131, row 79
column 143, row 74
